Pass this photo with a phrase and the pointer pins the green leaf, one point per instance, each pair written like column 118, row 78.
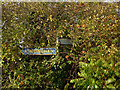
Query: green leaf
column 111, row 86
column 117, row 73
column 66, row 86
column 110, row 80
column 72, row 81
column 81, row 58
column 69, row 62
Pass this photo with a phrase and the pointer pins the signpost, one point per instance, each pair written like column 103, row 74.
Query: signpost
column 47, row 51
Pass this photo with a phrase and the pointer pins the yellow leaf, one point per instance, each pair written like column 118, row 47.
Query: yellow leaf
column 37, row 11
column 78, row 25
column 117, row 6
column 50, row 17
column 18, row 77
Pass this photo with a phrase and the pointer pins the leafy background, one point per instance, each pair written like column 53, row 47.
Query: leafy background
column 93, row 60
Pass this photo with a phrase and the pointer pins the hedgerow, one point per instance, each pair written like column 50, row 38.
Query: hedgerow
column 92, row 61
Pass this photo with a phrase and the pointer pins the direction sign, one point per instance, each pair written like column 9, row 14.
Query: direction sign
column 66, row 41
column 41, row 51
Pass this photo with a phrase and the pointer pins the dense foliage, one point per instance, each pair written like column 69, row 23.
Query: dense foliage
column 93, row 60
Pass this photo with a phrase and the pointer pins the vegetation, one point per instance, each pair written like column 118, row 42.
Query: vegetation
column 93, row 60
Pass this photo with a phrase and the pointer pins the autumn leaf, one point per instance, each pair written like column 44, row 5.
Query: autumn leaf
column 83, row 52
column 78, row 25
column 67, row 56
column 83, row 25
